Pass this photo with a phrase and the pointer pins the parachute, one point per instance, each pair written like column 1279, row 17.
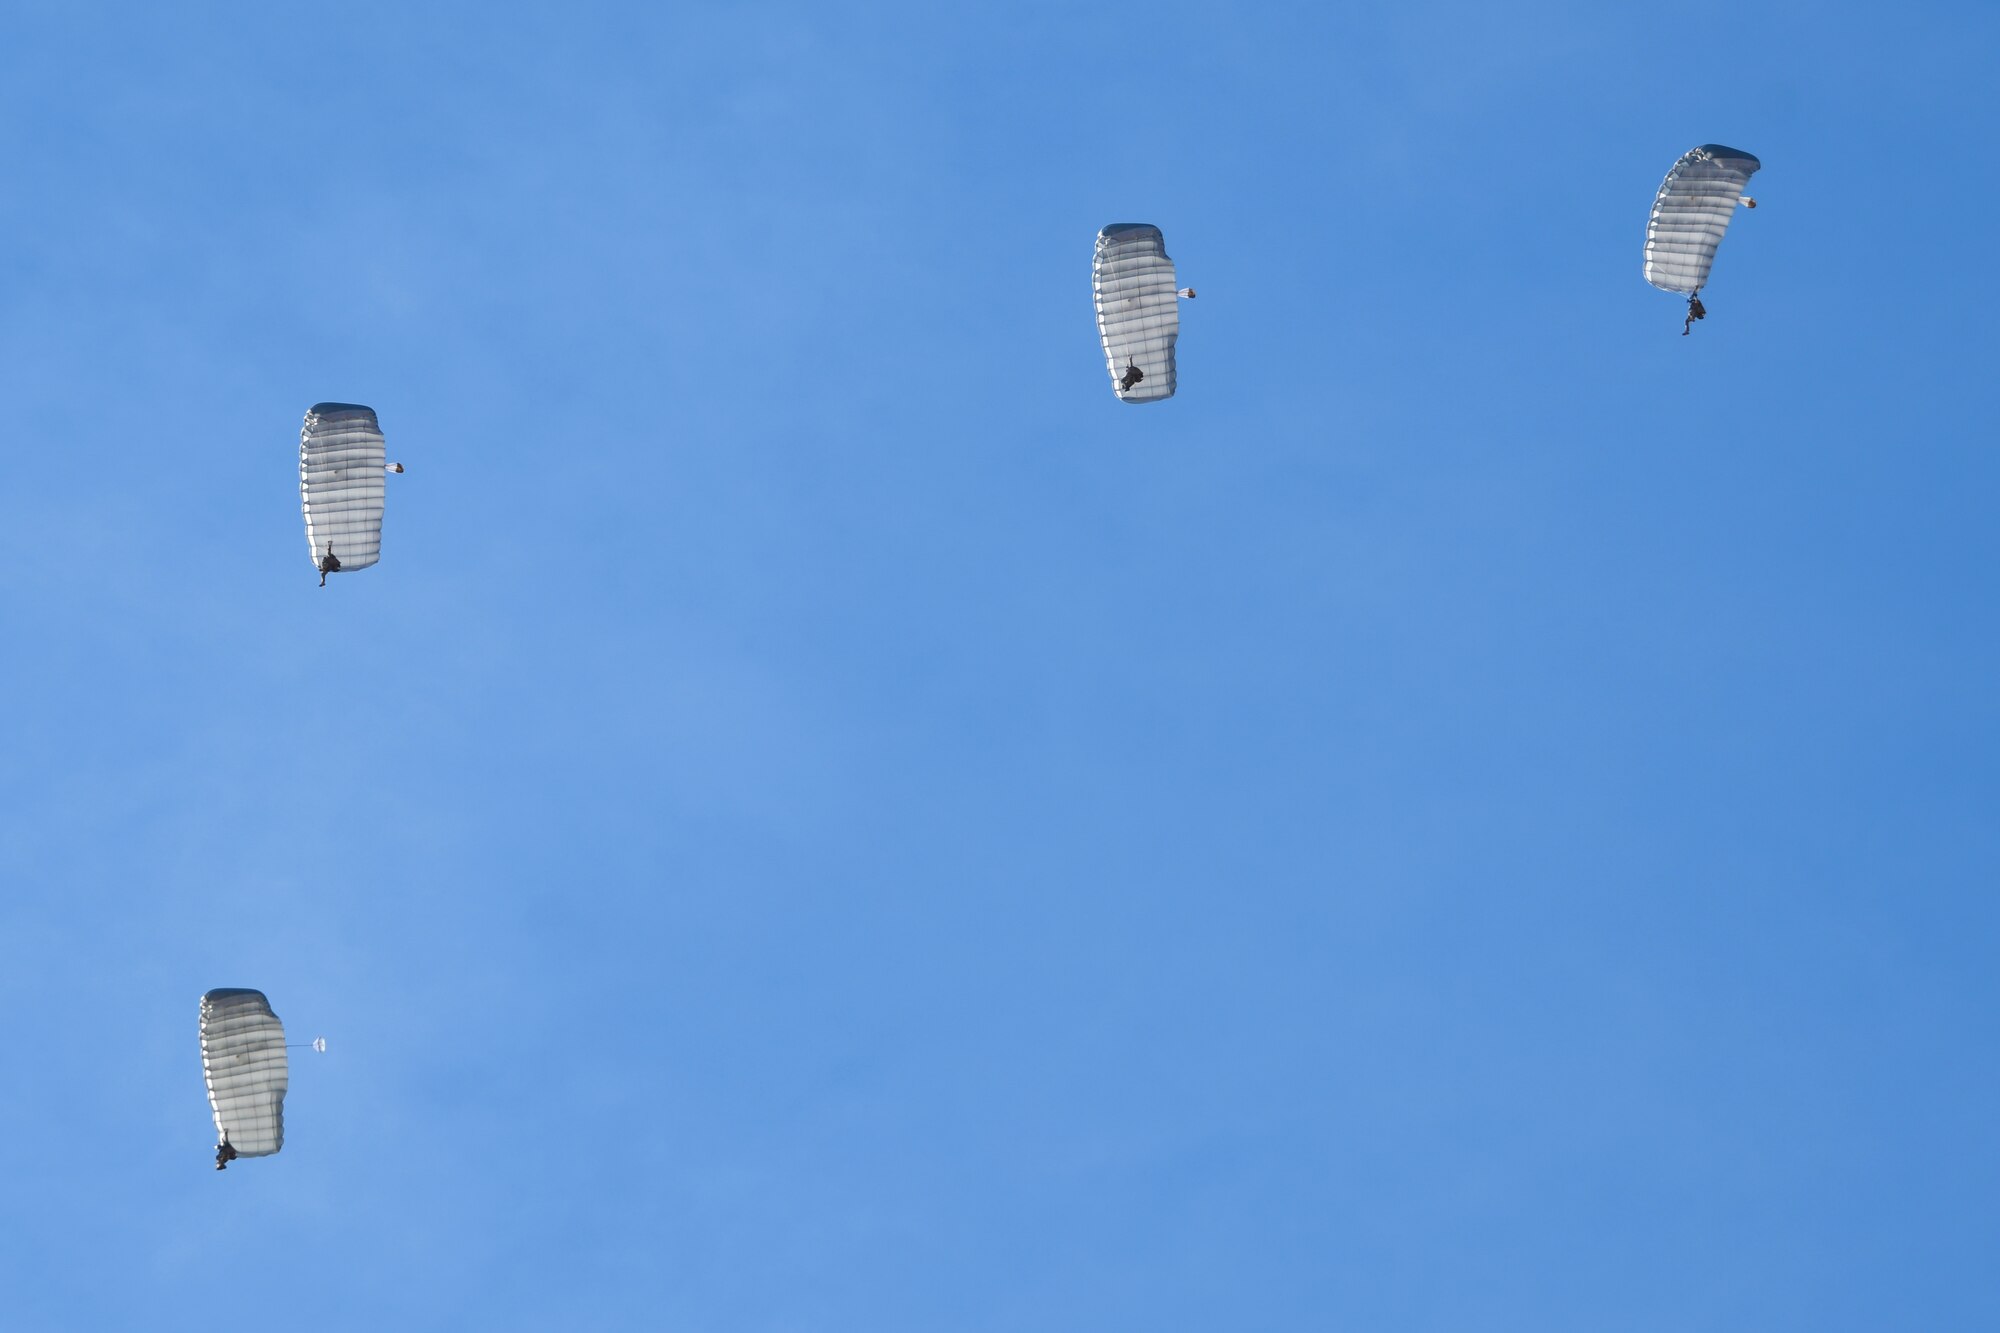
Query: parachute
column 1690, row 214
column 243, row 1060
column 341, row 470
column 1138, row 310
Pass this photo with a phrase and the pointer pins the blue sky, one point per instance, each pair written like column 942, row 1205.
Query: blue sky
column 1475, row 815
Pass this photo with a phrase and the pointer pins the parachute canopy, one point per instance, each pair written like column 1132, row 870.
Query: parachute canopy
column 1692, row 210
column 243, row 1059
column 341, row 457
column 1138, row 311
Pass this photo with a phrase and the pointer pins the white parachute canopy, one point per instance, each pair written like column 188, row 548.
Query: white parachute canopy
column 243, row 1059
column 1691, row 213
column 342, row 463
column 1138, row 311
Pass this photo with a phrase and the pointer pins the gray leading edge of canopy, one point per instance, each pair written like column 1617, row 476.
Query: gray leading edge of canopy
column 243, row 1060
column 341, row 455
column 1690, row 214
column 1138, row 310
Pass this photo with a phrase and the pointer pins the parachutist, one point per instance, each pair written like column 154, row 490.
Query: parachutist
column 1696, row 310
column 224, row 1154
column 1131, row 377
column 328, row 564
